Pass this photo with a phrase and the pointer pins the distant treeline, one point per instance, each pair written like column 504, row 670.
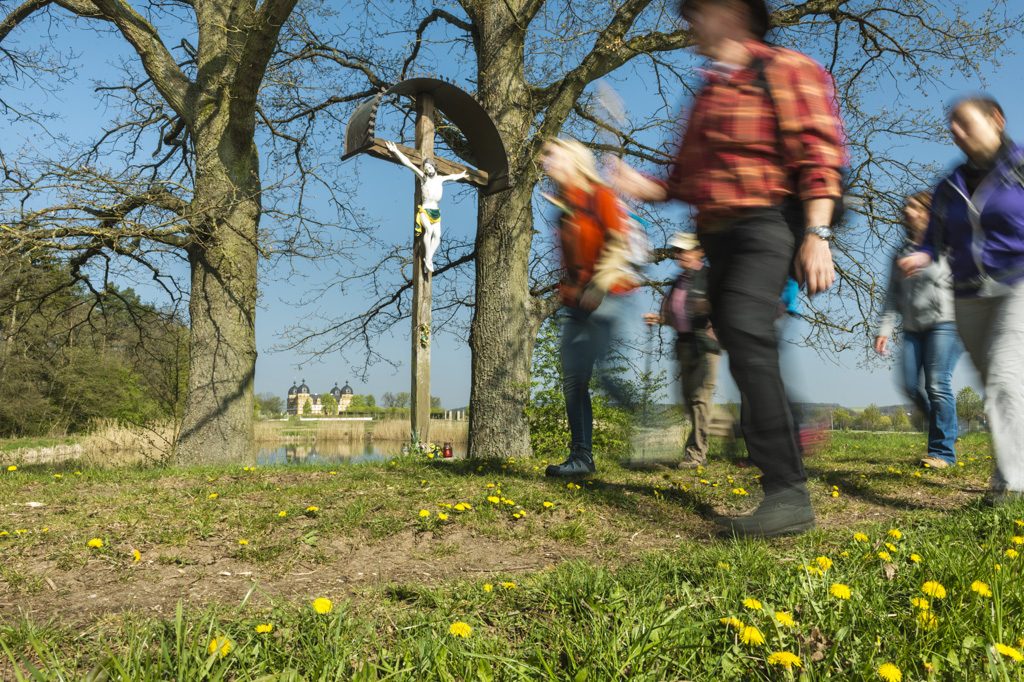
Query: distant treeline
column 70, row 354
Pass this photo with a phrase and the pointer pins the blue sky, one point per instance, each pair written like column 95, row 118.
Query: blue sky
column 385, row 190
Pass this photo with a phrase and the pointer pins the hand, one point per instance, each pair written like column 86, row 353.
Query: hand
column 914, row 263
column 630, row 182
column 391, row 147
column 814, row 267
column 881, row 343
column 652, row 318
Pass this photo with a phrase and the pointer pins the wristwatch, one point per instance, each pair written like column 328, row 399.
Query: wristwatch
column 823, row 231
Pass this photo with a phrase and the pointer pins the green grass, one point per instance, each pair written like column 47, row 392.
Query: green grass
column 625, row 580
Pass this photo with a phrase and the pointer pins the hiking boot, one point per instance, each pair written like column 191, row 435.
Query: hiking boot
column 930, row 462
column 1001, row 498
column 690, row 462
column 580, row 463
column 783, row 513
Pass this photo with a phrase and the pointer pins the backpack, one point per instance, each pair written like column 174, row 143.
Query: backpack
column 792, row 208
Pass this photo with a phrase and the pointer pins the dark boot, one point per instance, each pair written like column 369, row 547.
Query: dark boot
column 580, row 463
column 787, row 512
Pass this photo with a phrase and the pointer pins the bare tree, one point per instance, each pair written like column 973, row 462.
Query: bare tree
column 172, row 190
column 532, row 64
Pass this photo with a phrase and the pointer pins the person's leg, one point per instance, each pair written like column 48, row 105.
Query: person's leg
column 1004, row 391
column 975, row 319
column 577, row 367
column 942, row 350
column 688, row 369
column 431, row 241
column 701, row 410
column 912, row 362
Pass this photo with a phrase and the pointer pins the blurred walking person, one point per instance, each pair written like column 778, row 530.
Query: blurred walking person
column 595, row 289
column 978, row 221
column 685, row 308
column 761, row 161
column 931, row 347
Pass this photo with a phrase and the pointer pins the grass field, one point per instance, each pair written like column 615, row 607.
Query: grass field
column 425, row 570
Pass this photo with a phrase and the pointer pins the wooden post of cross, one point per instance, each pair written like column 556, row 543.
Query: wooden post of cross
column 422, row 287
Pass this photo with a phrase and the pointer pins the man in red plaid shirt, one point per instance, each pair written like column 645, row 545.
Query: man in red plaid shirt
column 760, row 161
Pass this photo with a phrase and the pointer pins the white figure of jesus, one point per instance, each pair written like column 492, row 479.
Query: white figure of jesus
column 428, row 214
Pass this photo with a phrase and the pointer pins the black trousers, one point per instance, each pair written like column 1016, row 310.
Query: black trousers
column 750, row 258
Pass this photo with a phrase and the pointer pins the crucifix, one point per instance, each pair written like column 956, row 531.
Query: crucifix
column 485, row 150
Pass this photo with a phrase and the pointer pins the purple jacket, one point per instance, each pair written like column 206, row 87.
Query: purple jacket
column 993, row 251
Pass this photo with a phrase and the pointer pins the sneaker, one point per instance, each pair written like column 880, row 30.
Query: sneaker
column 930, row 462
column 786, row 513
column 690, row 462
column 579, row 463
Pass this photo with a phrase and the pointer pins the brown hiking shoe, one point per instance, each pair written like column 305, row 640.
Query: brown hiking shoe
column 930, row 462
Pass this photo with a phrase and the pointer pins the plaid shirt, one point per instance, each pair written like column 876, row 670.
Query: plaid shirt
column 741, row 150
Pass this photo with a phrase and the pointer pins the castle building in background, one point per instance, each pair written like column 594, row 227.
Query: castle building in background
column 299, row 396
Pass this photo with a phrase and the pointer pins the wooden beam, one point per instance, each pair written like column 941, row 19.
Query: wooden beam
column 422, row 287
column 444, row 166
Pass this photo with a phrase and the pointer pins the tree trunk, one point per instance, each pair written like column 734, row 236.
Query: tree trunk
column 504, row 327
column 218, row 417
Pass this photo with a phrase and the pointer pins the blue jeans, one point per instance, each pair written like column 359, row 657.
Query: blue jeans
column 935, row 353
column 586, row 340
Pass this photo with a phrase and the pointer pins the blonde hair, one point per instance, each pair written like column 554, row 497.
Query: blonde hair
column 582, row 158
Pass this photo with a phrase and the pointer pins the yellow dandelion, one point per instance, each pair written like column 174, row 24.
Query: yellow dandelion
column 1019, row 523
column 282, row 513
column 785, row 618
column 312, row 509
column 916, row 558
column 740, row 492
column 136, row 556
column 890, row 673
column 12, row 467
column 332, row 473
column 58, row 476
column 724, row 566
column 548, row 504
column 488, row 587
column 981, row 588
column 891, row 547
column 860, row 537
column 934, row 589
column 493, row 499
column 895, row 533
column 824, row 563
column 95, row 543
column 813, row 570
column 220, row 645
column 264, row 628
column 751, row 636
column 1017, row 539
column 885, row 556
column 927, row 620
column 732, row 622
column 508, row 585
column 424, row 513
column 441, row 516
column 323, row 605
column 752, row 604
column 243, row 542
column 510, row 503
column 784, row 659
column 1011, row 553
column 839, row 591
column 490, row 485
column 844, row 554
column 213, row 496
column 920, row 603
column 1008, row 652
column 463, row 506
column 460, row 629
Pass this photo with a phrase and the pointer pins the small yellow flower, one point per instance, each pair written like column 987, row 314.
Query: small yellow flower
column 282, row 514
column 460, row 629
column 732, row 622
column 844, row 554
column 508, row 585
column 264, row 628
column 890, row 673
column 221, row 645
column 58, row 476
column 78, row 473
column 1011, row 553
column 243, row 542
column 860, row 537
column 724, row 566
column 1009, row 652
column 493, row 499
column 916, row 558
column 1019, row 523
column 784, row 659
column 312, row 509
column 740, row 492
column 751, row 636
column 839, row 591
column 934, row 589
column 424, row 513
column 891, row 547
column 441, row 516
column 927, row 620
column 752, row 604
column 981, row 588
column 12, row 467
column 95, row 543
column 323, row 605
column 3, row 533
column 813, row 570
column 548, row 504
column 463, row 506
column 213, row 496
column 332, row 473
column 885, row 556
column 824, row 563
column 136, row 556
column 1017, row 539
column 785, row 618
column 920, row 603
column 488, row 587
column 895, row 533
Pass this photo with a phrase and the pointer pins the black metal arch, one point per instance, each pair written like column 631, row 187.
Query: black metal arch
column 486, row 150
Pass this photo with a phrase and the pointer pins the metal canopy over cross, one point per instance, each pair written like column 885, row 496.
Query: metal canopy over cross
column 485, row 151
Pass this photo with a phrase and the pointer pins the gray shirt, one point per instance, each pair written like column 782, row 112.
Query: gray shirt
column 924, row 300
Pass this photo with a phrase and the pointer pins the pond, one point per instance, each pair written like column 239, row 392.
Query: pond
column 321, row 452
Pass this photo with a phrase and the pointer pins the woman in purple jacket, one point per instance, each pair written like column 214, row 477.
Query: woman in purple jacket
column 978, row 219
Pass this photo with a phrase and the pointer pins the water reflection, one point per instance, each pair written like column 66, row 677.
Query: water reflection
column 326, row 452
